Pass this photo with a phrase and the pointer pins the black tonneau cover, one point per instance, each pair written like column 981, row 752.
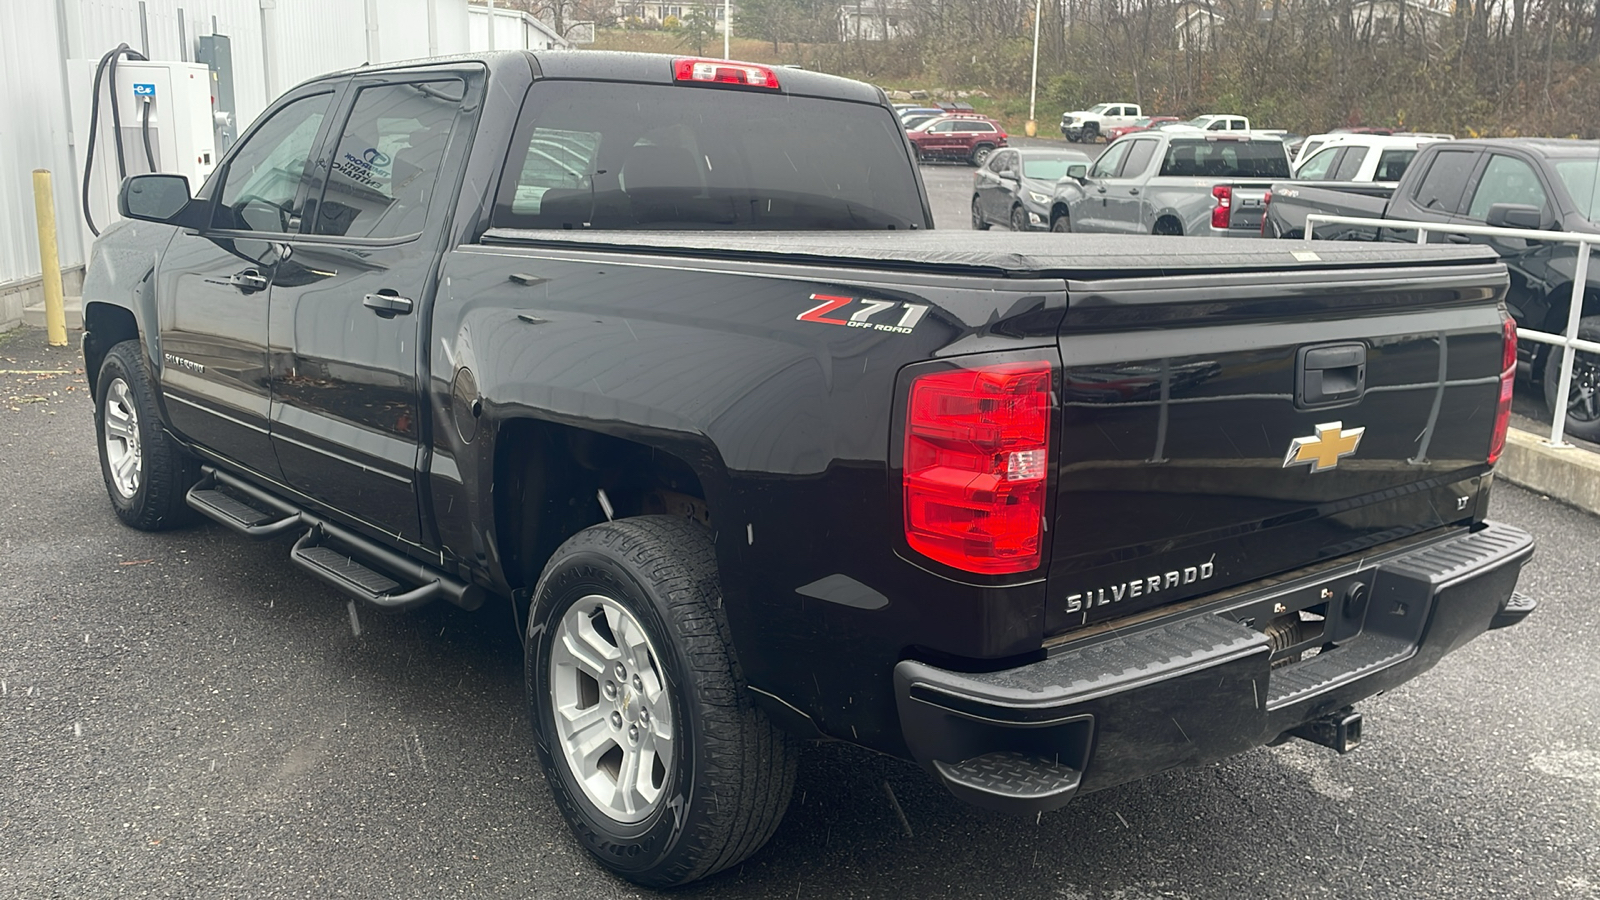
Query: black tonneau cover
column 1006, row 254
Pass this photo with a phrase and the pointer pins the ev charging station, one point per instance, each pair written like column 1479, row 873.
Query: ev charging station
column 165, row 112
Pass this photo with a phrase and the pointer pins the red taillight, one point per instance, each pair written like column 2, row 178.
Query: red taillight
column 1508, row 384
column 977, row 456
column 1223, row 194
column 720, row 71
column 1266, row 201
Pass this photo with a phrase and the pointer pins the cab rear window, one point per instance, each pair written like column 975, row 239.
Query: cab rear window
column 1226, row 159
column 603, row 155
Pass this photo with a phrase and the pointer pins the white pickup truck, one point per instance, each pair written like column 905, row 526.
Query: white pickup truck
column 1210, row 123
column 1361, row 157
column 1089, row 124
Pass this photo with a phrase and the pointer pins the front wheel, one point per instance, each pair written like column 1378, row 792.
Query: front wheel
column 1019, row 219
column 147, row 474
column 1583, row 395
column 1061, row 224
column 978, row 222
column 654, row 753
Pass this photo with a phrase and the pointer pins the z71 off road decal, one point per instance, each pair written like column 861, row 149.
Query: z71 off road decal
column 861, row 315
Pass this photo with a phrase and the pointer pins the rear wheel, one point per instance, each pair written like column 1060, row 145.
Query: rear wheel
column 1019, row 219
column 654, row 753
column 978, row 222
column 1168, row 227
column 147, row 474
column 1583, row 396
column 980, row 154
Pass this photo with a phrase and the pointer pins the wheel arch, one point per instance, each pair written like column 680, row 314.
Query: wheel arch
column 105, row 325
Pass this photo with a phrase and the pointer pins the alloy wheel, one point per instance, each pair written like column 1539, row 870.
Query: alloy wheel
column 123, row 455
column 613, row 711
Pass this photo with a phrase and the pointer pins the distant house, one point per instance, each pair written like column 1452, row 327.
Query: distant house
column 1195, row 25
column 874, row 20
column 1383, row 19
column 655, row 12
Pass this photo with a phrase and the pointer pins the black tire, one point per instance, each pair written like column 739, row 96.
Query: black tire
column 1061, row 224
column 1091, row 132
column 980, row 154
column 1583, row 399
column 978, row 222
column 1019, row 219
column 731, row 771
column 164, row 472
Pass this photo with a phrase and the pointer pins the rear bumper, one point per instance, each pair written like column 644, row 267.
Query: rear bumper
column 1193, row 688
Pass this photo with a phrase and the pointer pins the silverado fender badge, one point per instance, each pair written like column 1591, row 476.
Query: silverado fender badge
column 911, row 314
column 1324, row 449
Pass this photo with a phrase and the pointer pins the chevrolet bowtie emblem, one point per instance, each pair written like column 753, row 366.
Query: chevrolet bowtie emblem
column 1324, row 450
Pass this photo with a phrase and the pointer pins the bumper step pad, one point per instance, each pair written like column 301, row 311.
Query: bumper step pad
column 1003, row 779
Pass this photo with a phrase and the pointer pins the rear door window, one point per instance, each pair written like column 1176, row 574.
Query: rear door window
column 386, row 166
column 1446, row 180
column 1392, row 164
column 648, row 156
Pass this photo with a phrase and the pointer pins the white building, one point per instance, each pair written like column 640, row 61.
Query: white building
column 514, row 30
column 48, row 49
column 875, row 20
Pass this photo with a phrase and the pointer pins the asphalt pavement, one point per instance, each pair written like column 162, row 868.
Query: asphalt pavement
column 187, row 715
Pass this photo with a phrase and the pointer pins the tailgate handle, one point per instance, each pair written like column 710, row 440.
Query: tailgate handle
column 1330, row 373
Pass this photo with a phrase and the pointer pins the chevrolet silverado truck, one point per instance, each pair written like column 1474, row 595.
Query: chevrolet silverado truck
column 1172, row 183
column 664, row 354
column 1528, row 183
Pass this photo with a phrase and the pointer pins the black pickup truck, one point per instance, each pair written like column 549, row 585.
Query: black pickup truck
column 662, row 352
column 1541, row 184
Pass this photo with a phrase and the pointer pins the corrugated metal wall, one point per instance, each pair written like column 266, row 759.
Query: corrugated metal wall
column 273, row 49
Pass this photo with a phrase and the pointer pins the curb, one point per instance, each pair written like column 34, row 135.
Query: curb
column 1567, row 474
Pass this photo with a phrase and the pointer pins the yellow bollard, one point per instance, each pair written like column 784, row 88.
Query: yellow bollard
column 44, row 209
column 1032, row 128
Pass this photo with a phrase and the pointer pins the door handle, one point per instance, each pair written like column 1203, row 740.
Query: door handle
column 387, row 305
column 249, row 281
column 1101, row 189
column 1133, row 191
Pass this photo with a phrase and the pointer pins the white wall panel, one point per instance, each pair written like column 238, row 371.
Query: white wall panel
column 273, row 50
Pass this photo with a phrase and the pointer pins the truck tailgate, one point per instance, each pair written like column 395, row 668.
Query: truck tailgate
column 1218, row 429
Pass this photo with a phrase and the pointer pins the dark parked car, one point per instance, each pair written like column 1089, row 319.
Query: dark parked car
column 1015, row 186
column 965, row 137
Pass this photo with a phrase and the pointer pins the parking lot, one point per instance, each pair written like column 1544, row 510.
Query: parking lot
column 186, row 715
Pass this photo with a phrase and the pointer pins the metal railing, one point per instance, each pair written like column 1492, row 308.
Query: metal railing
column 1580, row 281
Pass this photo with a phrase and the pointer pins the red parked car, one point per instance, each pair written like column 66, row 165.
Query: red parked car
column 1143, row 123
column 965, row 137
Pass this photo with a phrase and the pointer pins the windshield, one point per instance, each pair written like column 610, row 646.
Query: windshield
column 1582, row 178
column 1226, row 159
column 643, row 156
column 1050, row 169
column 1099, row 107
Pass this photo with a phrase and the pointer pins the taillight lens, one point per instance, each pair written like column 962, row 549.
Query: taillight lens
column 1266, row 201
column 1508, row 384
column 1223, row 195
column 720, row 71
column 977, row 456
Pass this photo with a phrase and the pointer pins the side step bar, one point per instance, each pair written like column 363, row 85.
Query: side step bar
column 357, row 566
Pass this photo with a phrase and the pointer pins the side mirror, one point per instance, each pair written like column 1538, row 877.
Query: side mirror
column 153, row 198
column 1078, row 172
column 1514, row 215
